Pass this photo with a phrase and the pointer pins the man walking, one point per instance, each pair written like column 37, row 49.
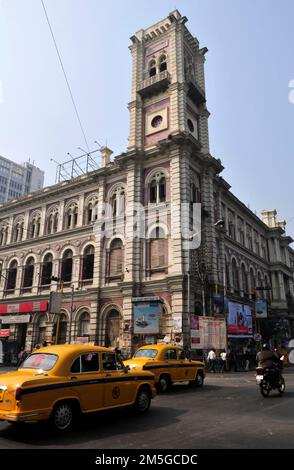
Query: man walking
column 211, row 360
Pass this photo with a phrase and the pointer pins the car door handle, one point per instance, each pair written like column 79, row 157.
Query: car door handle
column 107, row 375
column 73, row 378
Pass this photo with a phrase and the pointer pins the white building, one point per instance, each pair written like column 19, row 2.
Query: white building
column 18, row 179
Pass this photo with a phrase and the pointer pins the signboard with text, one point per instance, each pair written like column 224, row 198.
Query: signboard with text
column 208, row 332
column 261, row 308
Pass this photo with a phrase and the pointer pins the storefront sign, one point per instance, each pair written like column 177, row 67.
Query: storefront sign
column 13, row 319
column 261, row 308
column 4, row 333
column 146, row 317
column 24, row 307
column 208, row 332
column 239, row 320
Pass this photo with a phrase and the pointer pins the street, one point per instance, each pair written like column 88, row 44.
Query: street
column 227, row 413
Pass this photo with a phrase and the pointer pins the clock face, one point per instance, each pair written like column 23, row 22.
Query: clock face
column 156, row 121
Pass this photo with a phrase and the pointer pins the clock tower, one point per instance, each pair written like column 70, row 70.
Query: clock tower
column 168, row 87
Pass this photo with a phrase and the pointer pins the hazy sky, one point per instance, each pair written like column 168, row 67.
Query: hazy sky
column 249, row 69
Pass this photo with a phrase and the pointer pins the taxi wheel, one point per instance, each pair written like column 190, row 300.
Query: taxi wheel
column 143, row 401
column 198, row 382
column 164, row 383
column 62, row 416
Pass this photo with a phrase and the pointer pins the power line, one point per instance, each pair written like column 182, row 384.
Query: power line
column 65, row 76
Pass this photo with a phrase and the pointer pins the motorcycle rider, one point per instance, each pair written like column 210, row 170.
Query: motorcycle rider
column 267, row 359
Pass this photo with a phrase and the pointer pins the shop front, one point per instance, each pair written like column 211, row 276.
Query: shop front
column 16, row 328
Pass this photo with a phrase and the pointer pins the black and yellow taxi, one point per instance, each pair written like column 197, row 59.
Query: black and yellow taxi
column 169, row 363
column 59, row 382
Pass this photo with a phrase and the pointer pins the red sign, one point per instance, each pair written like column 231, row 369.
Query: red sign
column 4, row 333
column 24, row 307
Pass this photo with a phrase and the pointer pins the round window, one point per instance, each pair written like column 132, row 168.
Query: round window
column 190, row 125
column 156, row 121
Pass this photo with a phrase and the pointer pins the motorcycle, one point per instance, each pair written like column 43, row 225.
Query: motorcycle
column 270, row 379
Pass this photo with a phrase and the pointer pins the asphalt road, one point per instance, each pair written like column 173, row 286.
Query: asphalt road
column 227, row 413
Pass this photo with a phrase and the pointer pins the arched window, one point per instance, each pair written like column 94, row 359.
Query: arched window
column 18, row 231
column 117, row 201
column 35, row 225
column 66, row 266
column 84, row 324
column 71, row 218
column 249, row 237
column 52, row 222
column 157, row 188
column 88, row 264
column 244, row 281
column 116, row 258
column 3, row 235
column 252, row 281
column 158, row 249
column 227, row 274
column 235, row 274
column 47, row 270
column 152, row 68
column 91, row 211
column 162, row 63
column 28, row 274
column 232, row 228
column 11, row 277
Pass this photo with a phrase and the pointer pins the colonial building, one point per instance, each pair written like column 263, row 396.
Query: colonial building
column 117, row 235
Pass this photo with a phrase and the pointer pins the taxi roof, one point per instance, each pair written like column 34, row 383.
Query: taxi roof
column 160, row 346
column 71, row 348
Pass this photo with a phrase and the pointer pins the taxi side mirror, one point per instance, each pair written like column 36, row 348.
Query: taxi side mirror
column 126, row 369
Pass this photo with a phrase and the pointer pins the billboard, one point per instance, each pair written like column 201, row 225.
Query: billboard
column 146, row 317
column 208, row 332
column 239, row 320
column 261, row 308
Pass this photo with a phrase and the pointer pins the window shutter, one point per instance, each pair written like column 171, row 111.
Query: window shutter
column 115, row 261
column 158, row 253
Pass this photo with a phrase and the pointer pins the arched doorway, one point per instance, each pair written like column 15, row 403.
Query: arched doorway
column 62, row 334
column 112, row 329
column 41, row 329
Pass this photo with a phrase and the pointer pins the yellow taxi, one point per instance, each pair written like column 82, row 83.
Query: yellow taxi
column 169, row 364
column 57, row 383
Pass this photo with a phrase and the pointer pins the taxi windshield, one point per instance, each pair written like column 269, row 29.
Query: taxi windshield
column 40, row 361
column 146, row 353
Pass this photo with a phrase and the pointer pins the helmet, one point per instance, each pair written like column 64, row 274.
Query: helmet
column 265, row 346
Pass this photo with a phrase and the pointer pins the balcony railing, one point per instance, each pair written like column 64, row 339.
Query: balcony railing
column 155, row 83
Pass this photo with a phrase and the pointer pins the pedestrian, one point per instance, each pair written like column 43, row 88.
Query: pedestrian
column 211, row 360
column 223, row 356
column 247, row 360
column 232, row 361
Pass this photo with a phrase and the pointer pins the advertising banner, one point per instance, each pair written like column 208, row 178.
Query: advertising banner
column 24, row 307
column 4, row 333
column 239, row 320
column 261, row 308
column 146, row 318
column 208, row 332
